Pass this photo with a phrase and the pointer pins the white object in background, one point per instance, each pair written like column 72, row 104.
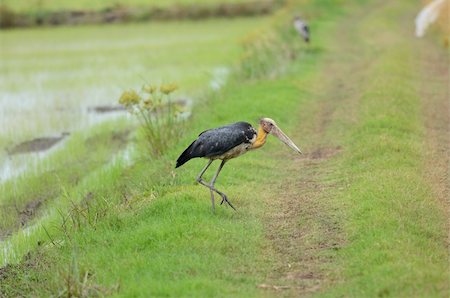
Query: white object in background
column 427, row 16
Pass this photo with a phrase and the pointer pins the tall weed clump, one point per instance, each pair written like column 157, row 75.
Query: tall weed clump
column 157, row 114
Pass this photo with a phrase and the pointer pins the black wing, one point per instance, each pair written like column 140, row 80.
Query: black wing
column 306, row 35
column 217, row 141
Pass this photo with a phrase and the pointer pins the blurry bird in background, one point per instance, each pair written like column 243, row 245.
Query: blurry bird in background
column 302, row 28
column 228, row 142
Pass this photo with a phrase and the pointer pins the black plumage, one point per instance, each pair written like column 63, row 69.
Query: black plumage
column 218, row 141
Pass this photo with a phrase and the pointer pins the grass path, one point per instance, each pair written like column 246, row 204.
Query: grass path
column 306, row 229
column 311, row 224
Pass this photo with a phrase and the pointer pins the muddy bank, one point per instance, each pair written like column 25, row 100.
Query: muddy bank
column 24, row 214
column 106, row 109
column 122, row 13
column 37, row 144
column 182, row 103
column 24, row 206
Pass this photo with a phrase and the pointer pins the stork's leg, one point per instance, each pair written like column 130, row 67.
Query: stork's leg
column 203, row 182
column 211, row 185
column 199, row 177
column 224, row 197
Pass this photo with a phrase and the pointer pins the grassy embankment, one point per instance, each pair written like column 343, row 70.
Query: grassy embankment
column 54, row 13
column 84, row 67
column 359, row 89
column 50, row 5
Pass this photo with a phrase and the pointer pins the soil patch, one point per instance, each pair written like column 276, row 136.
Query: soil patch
column 25, row 215
column 303, row 228
column 12, row 275
column 30, row 210
column 120, row 137
column 436, row 111
column 324, row 153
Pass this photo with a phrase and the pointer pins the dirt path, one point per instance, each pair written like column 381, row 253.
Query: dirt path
column 305, row 231
column 434, row 90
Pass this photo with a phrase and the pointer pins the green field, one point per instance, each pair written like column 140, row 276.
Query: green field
column 362, row 214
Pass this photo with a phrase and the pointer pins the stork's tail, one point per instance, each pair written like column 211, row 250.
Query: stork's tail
column 185, row 156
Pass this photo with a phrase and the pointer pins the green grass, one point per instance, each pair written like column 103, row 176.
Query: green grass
column 396, row 230
column 358, row 89
column 53, row 5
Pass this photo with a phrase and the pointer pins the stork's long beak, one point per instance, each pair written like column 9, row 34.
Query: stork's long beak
column 276, row 131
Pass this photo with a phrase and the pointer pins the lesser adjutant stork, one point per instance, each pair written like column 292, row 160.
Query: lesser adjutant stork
column 302, row 28
column 228, row 142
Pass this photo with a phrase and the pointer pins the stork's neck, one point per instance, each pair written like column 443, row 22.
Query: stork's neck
column 260, row 138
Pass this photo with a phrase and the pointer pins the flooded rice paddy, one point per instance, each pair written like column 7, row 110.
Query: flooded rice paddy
column 60, row 80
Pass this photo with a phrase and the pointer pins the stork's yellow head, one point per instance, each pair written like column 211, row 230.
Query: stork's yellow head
column 269, row 126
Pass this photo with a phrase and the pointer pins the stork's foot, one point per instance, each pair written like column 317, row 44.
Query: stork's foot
column 225, row 199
